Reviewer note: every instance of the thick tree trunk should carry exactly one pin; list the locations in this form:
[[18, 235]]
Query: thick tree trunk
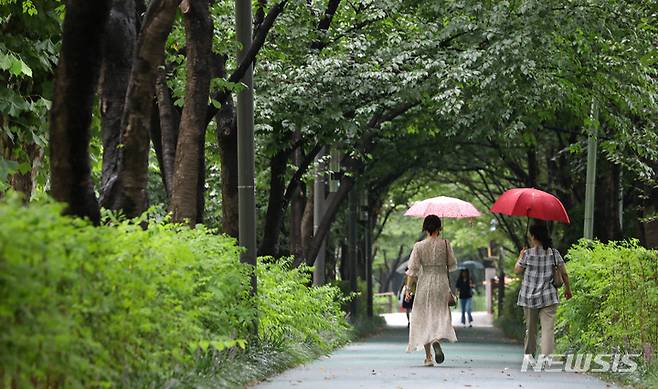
[[76, 79], [190, 150], [118, 52], [169, 123], [227, 138], [201, 181], [126, 189], [270, 243]]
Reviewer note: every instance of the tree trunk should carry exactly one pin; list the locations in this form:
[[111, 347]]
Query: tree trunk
[[22, 182], [169, 123], [533, 167], [118, 51], [201, 180], [307, 223], [274, 216], [126, 189], [76, 79], [227, 138], [343, 269], [313, 247], [607, 220], [156, 139], [190, 150]]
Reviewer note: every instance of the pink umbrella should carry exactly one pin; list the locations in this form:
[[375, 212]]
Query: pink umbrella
[[443, 206]]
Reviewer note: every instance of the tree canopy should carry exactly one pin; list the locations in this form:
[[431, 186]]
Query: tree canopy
[[483, 95]]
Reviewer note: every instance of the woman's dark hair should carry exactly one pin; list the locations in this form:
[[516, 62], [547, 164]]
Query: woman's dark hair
[[432, 224], [540, 232], [465, 271]]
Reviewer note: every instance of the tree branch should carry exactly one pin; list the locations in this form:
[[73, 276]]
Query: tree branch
[[258, 41], [324, 23], [256, 45]]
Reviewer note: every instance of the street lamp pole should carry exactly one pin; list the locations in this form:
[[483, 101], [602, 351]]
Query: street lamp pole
[[590, 180], [319, 197], [352, 237], [246, 161]]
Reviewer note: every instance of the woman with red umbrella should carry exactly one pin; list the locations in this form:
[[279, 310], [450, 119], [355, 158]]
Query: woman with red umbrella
[[542, 265], [538, 295]]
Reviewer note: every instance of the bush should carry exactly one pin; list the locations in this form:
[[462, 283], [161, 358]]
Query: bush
[[615, 299], [297, 323], [120, 305], [291, 310]]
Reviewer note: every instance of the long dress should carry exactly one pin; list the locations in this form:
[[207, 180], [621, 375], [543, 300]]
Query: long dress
[[430, 318]]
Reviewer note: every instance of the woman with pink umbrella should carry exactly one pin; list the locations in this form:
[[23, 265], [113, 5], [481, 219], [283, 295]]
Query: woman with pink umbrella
[[429, 264]]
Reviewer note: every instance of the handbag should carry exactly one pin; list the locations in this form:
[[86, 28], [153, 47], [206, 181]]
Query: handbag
[[557, 274], [452, 299]]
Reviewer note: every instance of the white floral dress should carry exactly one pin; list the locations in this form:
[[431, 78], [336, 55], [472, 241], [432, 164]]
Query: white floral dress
[[430, 318]]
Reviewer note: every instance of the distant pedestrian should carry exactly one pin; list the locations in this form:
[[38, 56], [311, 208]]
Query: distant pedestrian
[[465, 286], [538, 296], [431, 260], [407, 304]]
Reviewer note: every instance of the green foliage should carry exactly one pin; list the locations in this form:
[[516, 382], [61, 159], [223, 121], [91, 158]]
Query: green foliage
[[615, 298], [297, 323], [123, 305], [97, 306], [29, 39], [289, 309]]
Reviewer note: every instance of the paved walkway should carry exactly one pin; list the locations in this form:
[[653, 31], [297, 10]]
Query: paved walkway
[[482, 358]]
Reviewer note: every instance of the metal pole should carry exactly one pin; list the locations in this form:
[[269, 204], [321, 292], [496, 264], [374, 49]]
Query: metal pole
[[368, 257], [246, 163], [352, 203], [318, 213], [590, 182]]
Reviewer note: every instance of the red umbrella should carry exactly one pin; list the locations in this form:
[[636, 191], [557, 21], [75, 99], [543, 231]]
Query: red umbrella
[[532, 203]]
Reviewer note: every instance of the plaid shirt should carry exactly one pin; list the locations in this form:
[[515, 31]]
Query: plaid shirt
[[537, 291]]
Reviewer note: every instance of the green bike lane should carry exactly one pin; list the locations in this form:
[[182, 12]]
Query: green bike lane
[[482, 358]]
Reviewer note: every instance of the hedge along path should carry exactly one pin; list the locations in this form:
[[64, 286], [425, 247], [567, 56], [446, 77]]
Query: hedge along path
[[123, 306], [482, 358]]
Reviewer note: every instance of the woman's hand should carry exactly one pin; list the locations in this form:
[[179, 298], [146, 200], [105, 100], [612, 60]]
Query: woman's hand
[[567, 294], [408, 295], [517, 267]]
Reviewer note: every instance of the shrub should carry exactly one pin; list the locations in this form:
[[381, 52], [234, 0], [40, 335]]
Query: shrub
[[289, 309], [122, 305], [297, 323], [95, 306], [615, 299]]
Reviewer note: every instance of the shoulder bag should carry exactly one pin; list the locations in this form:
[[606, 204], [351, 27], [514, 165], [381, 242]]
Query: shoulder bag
[[452, 299], [557, 274]]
